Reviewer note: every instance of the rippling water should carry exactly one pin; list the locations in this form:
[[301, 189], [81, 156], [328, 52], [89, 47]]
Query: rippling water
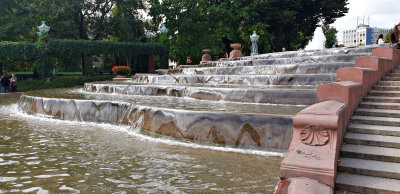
[[50, 156]]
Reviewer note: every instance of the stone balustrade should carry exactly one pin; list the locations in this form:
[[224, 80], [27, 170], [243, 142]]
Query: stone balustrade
[[310, 165]]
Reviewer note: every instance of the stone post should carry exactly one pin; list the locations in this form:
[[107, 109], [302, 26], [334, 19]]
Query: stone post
[[206, 57], [235, 52]]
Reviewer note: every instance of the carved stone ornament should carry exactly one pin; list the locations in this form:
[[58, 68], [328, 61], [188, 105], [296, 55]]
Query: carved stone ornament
[[314, 135]]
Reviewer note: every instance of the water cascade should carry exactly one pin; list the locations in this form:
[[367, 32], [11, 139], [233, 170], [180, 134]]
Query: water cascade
[[318, 40], [192, 129]]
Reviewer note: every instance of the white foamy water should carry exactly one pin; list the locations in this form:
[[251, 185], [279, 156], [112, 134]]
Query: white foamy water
[[136, 133], [318, 41]]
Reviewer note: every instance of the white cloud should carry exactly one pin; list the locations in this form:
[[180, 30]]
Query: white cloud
[[382, 14]]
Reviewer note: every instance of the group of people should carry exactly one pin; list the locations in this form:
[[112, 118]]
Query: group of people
[[7, 81]]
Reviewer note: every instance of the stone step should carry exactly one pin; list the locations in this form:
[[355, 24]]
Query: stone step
[[397, 70], [370, 153], [374, 129], [366, 184], [275, 79], [382, 99], [393, 74], [369, 167], [243, 94], [386, 88], [377, 112], [384, 93], [388, 78], [311, 53], [282, 60], [257, 69], [369, 120], [372, 140], [380, 105], [388, 83]]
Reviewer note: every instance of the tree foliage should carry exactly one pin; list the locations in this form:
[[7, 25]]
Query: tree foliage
[[215, 24], [116, 20], [330, 35]]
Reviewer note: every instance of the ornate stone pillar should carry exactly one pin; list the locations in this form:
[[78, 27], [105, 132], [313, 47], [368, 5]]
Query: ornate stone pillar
[[206, 57], [235, 52]]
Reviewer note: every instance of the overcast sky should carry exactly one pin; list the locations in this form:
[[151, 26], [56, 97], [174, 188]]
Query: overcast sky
[[382, 14]]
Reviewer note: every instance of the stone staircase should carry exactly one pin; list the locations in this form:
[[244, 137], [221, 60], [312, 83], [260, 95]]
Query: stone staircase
[[370, 156]]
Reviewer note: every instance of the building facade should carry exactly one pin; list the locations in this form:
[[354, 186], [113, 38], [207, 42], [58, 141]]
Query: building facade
[[362, 35]]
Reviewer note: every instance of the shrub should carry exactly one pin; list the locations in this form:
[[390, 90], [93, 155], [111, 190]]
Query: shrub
[[59, 82], [121, 70]]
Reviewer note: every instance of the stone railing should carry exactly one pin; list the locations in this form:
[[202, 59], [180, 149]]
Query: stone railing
[[311, 161]]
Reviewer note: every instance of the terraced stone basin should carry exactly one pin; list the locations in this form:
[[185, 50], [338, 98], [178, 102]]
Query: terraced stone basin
[[45, 155], [260, 126]]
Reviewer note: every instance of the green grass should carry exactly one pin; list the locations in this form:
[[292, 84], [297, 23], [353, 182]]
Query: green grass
[[59, 82]]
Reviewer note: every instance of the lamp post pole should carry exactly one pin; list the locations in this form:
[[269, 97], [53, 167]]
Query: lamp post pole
[[44, 62], [254, 40]]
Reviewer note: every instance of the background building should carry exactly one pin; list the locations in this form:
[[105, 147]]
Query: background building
[[362, 35]]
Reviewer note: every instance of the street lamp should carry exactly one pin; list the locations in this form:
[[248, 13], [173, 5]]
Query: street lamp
[[254, 40], [163, 29], [149, 35], [43, 28]]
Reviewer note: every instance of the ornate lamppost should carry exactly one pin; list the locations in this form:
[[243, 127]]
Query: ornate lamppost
[[43, 28], [163, 29], [254, 40], [149, 35]]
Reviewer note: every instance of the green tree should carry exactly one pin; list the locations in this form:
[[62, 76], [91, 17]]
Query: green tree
[[330, 35], [387, 37], [215, 24]]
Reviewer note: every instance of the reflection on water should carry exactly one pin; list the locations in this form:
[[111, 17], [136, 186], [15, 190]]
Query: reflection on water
[[51, 156]]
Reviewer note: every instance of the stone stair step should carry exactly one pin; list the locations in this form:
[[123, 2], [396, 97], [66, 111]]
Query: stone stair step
[[397, 70], [372, 140], [370, 153], [388, 78], [273, 79], [382, 99], [379, 105], [369, 168], [394, 74], [386, 88], [374, 129], [389, 83], [384, 93], [366, 184], [385, 121], [377, 112], [258, 69], [280, 60]]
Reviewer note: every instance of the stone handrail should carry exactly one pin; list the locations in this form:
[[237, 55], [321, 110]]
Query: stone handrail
[[311, 161]]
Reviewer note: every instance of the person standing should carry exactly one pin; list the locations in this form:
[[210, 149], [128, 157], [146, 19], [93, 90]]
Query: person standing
[[1, 85], [13, 81], [394, 37], [336, 45], [5, 83], [380, 39]]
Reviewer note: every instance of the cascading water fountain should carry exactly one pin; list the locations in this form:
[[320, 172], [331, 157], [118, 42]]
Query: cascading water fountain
[[318, 40], [190, 130]]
